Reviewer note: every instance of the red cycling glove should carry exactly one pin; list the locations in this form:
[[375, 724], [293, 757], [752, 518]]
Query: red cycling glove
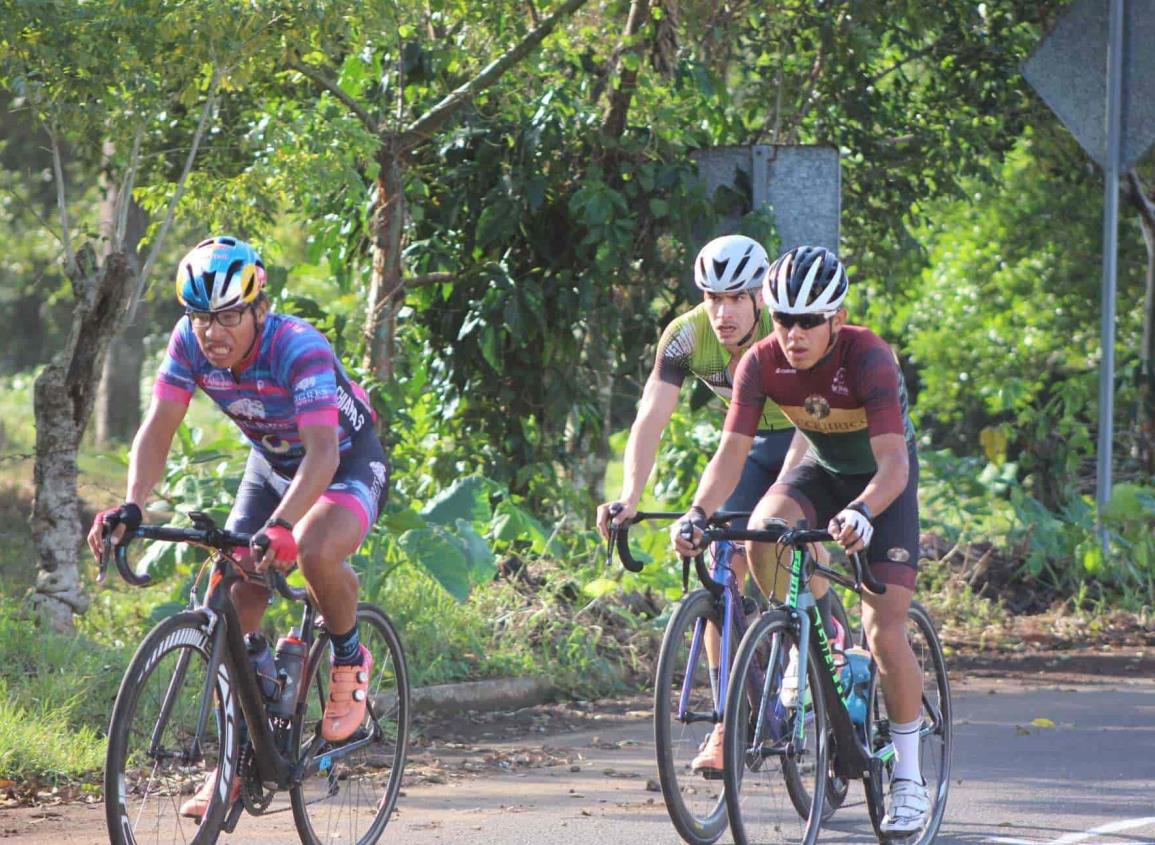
[[279, 540]]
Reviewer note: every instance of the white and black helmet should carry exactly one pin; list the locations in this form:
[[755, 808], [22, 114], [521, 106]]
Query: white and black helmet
[[730, 264], [806, 280]]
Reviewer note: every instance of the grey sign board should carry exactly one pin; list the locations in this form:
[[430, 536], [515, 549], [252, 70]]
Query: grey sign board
[[1069, 70], [802, 184]]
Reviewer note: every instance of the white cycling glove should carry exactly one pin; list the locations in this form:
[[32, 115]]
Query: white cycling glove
[[858, 521]]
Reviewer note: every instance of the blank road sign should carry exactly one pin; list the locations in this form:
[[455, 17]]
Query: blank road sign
[[1069, 71]]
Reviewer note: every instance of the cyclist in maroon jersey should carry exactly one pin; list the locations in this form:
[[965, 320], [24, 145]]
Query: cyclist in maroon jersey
[[841, 387]]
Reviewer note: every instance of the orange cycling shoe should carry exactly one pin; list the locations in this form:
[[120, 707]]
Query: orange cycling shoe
[[198, 805], [348, 697]]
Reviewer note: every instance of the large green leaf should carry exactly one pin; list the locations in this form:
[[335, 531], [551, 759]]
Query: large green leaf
[[466, 498], [482, 563], [441, 555]]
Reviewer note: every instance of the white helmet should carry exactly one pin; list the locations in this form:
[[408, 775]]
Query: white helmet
[[730, 264], [806, 280]]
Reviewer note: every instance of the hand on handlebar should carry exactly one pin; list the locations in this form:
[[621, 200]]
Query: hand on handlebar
[[686, 533], [851, 529], [274, 546], [615, 513], [113, 523]]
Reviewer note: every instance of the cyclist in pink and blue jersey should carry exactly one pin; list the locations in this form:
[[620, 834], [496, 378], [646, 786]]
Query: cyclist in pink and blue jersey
[[316, 475]]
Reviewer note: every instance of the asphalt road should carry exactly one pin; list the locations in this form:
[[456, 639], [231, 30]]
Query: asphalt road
[[1087, 780]]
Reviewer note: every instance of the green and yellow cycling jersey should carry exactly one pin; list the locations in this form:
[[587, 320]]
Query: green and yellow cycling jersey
[[689, 346]]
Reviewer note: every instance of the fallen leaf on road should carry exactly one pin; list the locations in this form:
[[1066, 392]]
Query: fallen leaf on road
[[1042, 723]]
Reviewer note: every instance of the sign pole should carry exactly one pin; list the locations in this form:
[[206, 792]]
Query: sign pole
[[1110, 256]]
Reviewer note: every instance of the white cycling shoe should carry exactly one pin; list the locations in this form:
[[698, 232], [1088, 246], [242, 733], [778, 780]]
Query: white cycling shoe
[[908, 807]]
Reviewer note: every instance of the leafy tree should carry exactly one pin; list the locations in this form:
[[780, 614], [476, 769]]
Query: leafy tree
[[170, 56]]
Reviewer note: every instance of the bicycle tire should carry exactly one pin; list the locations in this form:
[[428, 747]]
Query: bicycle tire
[[157, 819], [767, 814], [936, 747], [699, 822], [348, 776]]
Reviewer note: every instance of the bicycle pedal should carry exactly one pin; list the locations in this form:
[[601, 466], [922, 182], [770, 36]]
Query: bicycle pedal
[[233, 816], [710, 774]]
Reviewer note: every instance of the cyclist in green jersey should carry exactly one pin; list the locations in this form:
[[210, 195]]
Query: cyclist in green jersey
[[708, 342]]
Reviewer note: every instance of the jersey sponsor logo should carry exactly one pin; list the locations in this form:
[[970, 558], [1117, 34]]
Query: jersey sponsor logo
[[275, 444], [348, 407], [817, 406], [380, 474], [832, 420], [246, 407], [839, 383], [217, 379], [305, 383], [898, 554]]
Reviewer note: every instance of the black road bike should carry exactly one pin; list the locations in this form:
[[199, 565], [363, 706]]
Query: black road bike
[[181, 703], [779, 759]]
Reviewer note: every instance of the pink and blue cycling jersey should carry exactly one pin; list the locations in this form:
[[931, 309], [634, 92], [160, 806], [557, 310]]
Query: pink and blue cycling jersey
[[291, 379]]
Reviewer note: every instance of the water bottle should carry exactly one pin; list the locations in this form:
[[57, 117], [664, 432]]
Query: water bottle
[[856, 681], [290, 660], [261, 656]]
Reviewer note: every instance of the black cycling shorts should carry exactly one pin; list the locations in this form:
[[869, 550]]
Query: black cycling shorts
[[893, 551], [759, 472]]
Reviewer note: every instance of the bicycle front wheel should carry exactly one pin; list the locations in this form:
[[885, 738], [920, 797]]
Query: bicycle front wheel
[[769, 769], [685, 713], [937, 729], [160, 748], [352, 787]]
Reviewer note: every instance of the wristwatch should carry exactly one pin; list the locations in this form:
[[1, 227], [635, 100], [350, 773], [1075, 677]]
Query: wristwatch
[[284, 523]]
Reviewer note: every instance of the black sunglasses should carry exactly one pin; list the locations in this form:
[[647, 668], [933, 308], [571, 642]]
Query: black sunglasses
[[806, 321]]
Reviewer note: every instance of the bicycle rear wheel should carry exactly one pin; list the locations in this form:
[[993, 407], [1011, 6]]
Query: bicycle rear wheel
[[695, 803], [937, 731], [155, 758], [762, 752], [352, 787]]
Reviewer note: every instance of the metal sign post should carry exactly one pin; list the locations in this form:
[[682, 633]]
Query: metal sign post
[[1095, 72]]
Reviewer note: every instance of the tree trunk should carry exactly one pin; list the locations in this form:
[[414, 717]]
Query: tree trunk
[[385, 293], [117, 414], [118, 411], [1136, 193], [63, 397]]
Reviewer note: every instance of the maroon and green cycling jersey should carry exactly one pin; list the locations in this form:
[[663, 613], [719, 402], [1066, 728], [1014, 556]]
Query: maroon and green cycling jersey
[[689, 346], [853, 394]]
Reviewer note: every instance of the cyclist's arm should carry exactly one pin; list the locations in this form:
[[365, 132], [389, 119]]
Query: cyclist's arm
[[890, 479], [723, 471], [150, 448], [322, 456], [659, 399]]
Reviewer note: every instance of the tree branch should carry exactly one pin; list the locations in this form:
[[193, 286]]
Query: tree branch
[[427, 279], [124, 198], [614, 120], [1136, 194], [62, 202], [326, 84], [423, 128], [154, 250]]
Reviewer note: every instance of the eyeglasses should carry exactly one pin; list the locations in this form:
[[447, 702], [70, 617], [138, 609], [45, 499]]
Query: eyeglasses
[[806, 321], [228, 319]]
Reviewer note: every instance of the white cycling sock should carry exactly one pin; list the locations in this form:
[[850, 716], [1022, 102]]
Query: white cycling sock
[[905, 736]]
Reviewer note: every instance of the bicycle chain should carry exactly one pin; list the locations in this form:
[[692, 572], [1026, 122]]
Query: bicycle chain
[[253, 793]]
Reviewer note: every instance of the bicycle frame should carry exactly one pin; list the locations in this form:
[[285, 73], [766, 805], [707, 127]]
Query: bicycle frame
[[227, 646], [723, 589], [855, 757]]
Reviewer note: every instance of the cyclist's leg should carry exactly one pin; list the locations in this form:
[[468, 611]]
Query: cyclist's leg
[[327, 536], [758, 473], [258, 495]]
